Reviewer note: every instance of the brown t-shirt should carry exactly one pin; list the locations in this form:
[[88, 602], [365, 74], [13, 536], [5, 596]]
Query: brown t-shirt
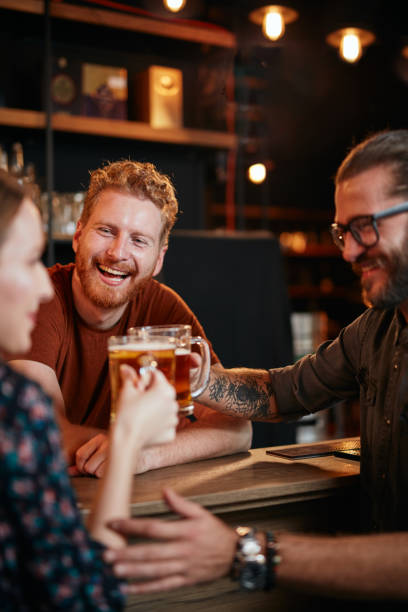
[[78, 354]]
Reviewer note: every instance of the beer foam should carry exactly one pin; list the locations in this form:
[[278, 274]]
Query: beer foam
[[142, 346], [182, 351]]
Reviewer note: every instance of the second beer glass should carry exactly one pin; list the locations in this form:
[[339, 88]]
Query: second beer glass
[[180, 336]]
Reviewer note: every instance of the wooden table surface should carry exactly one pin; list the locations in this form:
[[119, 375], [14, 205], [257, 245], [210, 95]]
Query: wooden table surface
[[318, 494], [253, 488], [241, 481]]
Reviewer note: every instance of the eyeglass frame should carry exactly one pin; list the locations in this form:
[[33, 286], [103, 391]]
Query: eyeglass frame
[[372, 219]]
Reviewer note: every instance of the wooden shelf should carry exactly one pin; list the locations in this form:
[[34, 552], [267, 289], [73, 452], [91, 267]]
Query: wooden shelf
[[277, 213], [315, 293], [62, 238], [115, 128], [314, 250], [126, 21]]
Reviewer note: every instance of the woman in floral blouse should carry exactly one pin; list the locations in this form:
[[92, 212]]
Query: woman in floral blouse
[[48, 560]]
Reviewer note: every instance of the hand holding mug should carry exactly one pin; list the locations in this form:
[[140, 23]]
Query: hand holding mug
[[146, 406], [143, 355]]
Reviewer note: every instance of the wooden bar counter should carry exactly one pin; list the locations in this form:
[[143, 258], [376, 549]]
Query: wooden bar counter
[[317, 494]]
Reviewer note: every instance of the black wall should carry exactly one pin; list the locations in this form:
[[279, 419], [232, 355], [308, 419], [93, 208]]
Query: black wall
[[235, 285]]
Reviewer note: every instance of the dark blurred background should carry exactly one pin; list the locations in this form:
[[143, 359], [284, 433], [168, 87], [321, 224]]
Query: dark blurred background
[[244, 256]]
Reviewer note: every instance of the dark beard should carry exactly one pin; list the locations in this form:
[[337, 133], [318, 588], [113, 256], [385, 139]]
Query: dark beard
[[395, 290]]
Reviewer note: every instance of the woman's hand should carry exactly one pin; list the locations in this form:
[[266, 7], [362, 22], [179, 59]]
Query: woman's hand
[[147, 407]]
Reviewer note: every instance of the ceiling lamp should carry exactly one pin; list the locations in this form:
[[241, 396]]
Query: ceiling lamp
[[174, 5], [350, 42], [257, 173], [273, 19]]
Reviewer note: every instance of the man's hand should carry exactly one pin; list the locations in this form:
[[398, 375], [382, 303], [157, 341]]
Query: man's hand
[[197, 548], [90, 458]]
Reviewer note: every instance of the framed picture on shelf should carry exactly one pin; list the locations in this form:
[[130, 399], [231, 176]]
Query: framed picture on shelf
[[104, 91]]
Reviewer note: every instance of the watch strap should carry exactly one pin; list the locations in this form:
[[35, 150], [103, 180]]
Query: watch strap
[[272, 560], [254, 569], [249, 565]]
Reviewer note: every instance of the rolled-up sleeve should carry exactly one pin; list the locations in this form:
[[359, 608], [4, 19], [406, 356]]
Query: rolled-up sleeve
[[320, 380]]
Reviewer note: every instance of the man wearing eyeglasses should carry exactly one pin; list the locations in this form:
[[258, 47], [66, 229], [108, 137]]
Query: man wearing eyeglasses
[[380, 261], [369, 361]]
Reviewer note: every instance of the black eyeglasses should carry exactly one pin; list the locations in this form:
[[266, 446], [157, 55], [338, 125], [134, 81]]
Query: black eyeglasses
[[364, 228]]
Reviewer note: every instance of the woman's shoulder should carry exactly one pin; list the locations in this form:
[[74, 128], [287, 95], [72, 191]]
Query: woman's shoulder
[[11, 379], [21, 394], [30, 442]]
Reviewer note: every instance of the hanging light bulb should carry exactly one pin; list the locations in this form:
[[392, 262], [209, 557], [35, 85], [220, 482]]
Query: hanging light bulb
[[257, 173], [350, 48], [273, 19], [273, 25], [174, 5], [350, 42]]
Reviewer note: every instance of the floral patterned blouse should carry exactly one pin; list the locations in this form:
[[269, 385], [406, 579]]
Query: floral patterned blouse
[[47, 559]]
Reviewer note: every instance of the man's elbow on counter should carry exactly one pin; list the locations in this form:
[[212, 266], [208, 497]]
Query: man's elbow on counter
[[248, 435], [244, 431], [233, 434]]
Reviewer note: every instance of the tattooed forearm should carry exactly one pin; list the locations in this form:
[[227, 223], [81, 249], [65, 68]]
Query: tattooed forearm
[[247, 396]]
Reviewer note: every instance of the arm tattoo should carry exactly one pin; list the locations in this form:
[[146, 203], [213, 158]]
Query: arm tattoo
[[246, 397]]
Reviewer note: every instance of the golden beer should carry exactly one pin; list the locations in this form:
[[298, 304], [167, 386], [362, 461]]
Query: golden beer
[[140, 356], [183, 380]]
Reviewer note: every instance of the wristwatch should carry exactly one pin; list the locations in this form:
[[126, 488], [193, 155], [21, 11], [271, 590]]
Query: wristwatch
[[249, 566]]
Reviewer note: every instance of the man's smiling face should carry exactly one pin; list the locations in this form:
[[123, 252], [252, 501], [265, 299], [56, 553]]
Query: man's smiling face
[[118, 250], [383, 268]]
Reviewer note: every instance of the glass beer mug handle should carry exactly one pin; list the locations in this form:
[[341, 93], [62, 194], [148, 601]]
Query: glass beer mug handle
[[201, 381]]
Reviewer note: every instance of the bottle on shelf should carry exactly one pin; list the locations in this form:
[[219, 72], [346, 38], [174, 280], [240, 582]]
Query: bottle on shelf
[[29, 179], [3, 159], [16, 162]]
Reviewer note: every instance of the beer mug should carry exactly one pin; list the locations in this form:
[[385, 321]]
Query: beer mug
[[180, 336], [143, 355]]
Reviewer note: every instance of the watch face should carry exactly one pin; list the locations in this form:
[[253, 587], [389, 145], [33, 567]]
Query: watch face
[[253, 576], [63, 90]]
